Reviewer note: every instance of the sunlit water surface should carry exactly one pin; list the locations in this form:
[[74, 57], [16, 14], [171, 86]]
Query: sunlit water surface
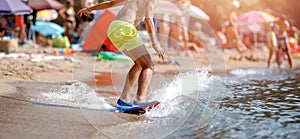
[[258, 103], [250, 103]]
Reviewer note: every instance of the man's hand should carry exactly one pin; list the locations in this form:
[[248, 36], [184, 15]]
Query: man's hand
[[84, 11], [159, 50]]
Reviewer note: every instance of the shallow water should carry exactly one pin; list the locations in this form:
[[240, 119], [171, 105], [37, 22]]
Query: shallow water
[[250, 103], [188, 96], [258, 103]]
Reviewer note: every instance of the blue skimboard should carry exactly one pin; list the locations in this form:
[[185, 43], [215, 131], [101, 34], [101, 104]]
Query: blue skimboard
[[138, 109]]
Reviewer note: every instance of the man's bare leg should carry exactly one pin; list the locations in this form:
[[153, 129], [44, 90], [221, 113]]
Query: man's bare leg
[[289, 59], [270, 57], [131, 79], [141, 73], [145, 77], [278, 58]]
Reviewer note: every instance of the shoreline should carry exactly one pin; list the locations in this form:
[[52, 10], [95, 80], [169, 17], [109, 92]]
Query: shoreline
[[24, 80], [90, 67], [68, 67]]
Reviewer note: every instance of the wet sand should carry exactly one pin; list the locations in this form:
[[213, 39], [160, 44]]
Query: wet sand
[[22, 117]]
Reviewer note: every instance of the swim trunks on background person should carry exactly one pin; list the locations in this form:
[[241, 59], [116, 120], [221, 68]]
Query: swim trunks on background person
[[283, 43], [124, 35]]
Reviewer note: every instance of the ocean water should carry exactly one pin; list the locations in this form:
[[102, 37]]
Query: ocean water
[[258, 103], [248, 103]]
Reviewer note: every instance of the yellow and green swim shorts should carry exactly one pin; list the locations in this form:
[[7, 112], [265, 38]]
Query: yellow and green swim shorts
[[124, 35]]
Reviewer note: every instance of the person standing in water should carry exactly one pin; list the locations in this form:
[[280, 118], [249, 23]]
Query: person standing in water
[[272, 43], [123, 34], [283, 48]]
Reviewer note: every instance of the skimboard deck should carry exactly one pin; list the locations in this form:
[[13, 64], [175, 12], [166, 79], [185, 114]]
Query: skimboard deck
[[137, 109]]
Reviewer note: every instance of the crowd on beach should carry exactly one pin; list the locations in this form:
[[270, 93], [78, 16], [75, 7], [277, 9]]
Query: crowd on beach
[[277, 35], [175, 32], [19, 26]]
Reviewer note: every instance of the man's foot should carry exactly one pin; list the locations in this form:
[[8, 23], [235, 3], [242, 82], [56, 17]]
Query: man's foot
[[135, 102], [122, 103]]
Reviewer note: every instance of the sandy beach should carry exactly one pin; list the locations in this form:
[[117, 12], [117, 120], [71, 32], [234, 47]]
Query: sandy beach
[[52, 88], [23, 116]]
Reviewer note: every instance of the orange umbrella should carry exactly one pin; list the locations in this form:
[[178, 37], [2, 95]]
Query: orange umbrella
[[95, 34]]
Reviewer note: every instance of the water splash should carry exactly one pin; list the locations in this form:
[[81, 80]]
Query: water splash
[[190, 99], [76, 93]]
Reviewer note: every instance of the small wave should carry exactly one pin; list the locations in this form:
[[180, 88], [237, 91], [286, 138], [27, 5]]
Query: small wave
[[190, 99], [78, 94], [245, 75]]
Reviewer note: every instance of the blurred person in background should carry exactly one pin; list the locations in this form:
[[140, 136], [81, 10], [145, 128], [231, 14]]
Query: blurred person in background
[[6, 24], [200, 38], [220, 34], [20, 28], [43, 41], [283, 48], [293, 32], [3, 22], [247, 40], [179, 27], [68, 14], [88, 3], [232, 17], [232, 33], [85, 19], [164, 29], [2, 33], [233, 40], [294, 37], [272, 43]]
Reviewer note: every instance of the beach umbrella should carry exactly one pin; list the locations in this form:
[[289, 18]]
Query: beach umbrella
[[47, 28], [254, 17], [47, 15], [253, 21], [45, 4], [167, 7], [14, 7], [95, 34], [195, 11]]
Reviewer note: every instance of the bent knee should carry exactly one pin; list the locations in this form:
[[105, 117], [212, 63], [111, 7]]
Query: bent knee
[[145, 62], [149, 65]]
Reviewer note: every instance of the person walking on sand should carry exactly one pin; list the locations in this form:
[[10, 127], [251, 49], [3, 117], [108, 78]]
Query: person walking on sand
[[123, 34]]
